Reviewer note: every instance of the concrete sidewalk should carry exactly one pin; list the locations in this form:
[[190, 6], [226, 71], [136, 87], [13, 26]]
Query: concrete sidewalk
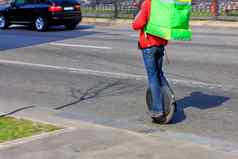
[[209, 23], [90, 141]]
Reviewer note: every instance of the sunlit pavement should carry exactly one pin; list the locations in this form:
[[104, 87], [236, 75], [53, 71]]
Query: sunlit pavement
[[96, 74]]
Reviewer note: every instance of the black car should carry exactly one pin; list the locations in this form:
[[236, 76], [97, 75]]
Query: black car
[[41, 14]]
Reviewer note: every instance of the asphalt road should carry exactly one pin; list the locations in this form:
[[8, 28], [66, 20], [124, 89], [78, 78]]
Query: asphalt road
[[96, 74]]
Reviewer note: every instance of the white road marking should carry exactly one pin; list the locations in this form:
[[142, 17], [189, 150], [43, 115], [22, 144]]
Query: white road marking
[[117, 75], [76, 70], [82, 46]]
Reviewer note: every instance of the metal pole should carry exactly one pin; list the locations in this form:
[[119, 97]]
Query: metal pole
[[116, 9]]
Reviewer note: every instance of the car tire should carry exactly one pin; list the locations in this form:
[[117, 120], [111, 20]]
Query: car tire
[[4, 24], [40, 24], [72, 24]]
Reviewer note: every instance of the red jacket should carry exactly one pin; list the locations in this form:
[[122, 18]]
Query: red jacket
[[146, 40]]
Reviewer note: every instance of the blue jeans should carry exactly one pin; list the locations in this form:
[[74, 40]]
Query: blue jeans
[[153, 60]]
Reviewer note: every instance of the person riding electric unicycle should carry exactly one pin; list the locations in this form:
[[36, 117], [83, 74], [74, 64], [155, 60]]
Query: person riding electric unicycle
[[160, 21]]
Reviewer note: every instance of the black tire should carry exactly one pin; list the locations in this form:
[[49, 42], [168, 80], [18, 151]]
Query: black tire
[[4, 24], [40, 24], [71, 25], [169, 106]]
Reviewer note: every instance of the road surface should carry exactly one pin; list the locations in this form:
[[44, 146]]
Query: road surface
[[96, 74]]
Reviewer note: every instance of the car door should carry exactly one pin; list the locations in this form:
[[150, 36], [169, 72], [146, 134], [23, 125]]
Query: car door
[[22, 11], [15, 12], [28, 10], [42, 7]]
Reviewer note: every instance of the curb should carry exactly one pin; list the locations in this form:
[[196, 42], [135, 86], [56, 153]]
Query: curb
[[77, 125], [106, 21], [209, 23], [212, 23]]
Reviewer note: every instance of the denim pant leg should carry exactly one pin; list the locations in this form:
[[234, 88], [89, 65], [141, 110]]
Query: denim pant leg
[[151, 58], [159, 60]]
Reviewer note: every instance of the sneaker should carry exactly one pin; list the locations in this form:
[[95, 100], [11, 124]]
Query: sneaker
[[158, 118], [156, 115]]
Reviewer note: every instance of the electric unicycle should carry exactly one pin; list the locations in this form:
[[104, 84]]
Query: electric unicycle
[[169, 102]]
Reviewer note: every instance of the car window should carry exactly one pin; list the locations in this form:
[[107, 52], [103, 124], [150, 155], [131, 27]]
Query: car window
[[63, 1], [31, 1], [43, 1], [20, 2]]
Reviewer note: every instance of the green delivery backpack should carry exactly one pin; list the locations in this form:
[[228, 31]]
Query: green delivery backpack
[[169, 19]]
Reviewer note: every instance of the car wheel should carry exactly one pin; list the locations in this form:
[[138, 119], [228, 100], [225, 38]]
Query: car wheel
[[3, 22], [40, 24], [71, 25]]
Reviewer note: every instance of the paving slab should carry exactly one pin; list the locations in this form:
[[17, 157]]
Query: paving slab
[[93, 141]]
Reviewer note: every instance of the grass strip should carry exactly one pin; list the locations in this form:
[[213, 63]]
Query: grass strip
[[12, 128]]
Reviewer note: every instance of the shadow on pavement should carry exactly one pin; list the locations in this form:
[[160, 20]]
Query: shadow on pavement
[[198, 100], [22, 36]]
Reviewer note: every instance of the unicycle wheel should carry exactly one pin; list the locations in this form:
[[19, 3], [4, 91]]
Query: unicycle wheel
[[169, 105]]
